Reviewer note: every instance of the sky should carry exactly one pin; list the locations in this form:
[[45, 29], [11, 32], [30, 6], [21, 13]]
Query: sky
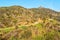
[[52, 4]]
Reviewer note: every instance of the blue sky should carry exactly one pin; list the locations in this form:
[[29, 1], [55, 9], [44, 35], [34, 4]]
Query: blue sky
[[52, 4]]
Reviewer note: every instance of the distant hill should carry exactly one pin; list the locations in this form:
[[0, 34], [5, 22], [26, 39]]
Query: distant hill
[[19, 23], [17, 15]]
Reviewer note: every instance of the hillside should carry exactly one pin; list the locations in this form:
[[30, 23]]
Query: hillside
[[17, 15], [19, 23]]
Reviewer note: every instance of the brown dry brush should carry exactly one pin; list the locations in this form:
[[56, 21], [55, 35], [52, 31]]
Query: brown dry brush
[[12, 33]]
